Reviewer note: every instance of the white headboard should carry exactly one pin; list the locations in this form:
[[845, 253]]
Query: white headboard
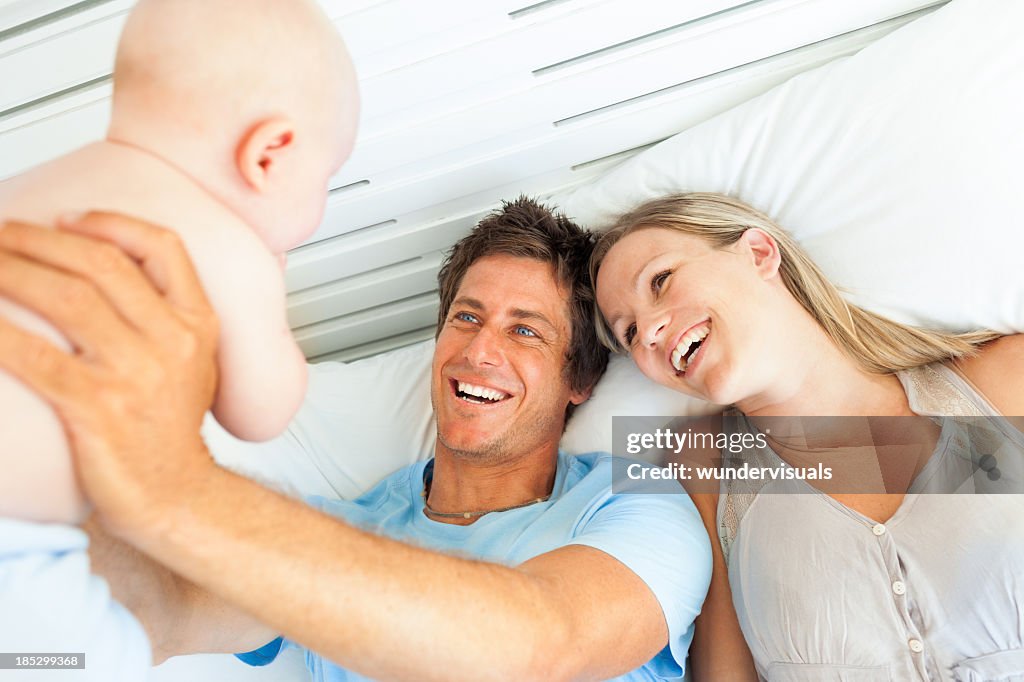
[[465, 102]]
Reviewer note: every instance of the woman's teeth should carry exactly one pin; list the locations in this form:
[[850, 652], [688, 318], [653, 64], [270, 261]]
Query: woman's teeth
[[688, 345]]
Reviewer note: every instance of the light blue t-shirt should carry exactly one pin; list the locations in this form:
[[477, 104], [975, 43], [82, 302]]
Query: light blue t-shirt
[[656, 532], [51, 603]]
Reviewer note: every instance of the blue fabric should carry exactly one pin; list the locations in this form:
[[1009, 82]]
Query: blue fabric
[[656, 532], [264, 655], [51, 602]]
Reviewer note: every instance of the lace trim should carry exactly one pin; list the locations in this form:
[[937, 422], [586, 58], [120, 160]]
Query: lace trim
[[932, 394]]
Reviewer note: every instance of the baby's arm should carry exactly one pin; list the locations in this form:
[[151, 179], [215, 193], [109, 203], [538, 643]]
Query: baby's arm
[[262, 370]]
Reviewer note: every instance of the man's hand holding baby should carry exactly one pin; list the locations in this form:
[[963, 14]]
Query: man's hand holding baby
[[142, 371]]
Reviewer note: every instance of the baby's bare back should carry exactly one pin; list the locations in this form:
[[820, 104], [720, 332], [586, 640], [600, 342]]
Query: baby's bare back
[[262, 372]]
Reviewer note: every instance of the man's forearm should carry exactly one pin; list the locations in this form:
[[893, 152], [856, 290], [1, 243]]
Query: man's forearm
[[151, 592], [178, 616], [377, 606]]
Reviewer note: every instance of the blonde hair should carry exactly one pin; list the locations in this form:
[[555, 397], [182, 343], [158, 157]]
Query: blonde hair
[[876, 343]]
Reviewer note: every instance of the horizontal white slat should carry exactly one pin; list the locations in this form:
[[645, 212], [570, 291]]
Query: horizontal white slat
[[63, 25], [380, 346], [367, 326], [353, 254], [469, 170], [394, 34], [90, 34], [397, 33], [17, 13], [550, 98], [62, 106], [416, 234], [503, 64], [508, 93], [428, 228], [366, 290], [521, 116], [45, 138], [42, 69]]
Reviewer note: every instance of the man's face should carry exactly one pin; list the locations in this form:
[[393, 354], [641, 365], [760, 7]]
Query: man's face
[[498, 386]]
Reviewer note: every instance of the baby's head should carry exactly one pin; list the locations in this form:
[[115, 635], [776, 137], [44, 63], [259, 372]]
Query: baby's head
[[255, 100]]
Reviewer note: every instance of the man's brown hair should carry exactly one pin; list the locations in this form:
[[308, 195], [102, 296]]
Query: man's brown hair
[[528, 229]]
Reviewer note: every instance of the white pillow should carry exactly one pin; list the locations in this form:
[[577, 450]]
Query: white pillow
[[898, 168]]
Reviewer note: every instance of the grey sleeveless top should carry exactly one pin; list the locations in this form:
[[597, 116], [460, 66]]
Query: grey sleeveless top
[[936, 593]]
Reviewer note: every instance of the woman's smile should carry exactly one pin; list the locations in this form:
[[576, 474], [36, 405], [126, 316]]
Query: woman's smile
[[683, 355]]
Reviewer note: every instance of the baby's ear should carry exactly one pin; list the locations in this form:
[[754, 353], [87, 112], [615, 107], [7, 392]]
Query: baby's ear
[[261, 150]]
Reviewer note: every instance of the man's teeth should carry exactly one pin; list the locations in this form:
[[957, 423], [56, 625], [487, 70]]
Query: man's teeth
[[481, 391], [679, 355]]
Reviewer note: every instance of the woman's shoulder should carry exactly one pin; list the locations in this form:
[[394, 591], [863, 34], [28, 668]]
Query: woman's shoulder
[[997, 371]]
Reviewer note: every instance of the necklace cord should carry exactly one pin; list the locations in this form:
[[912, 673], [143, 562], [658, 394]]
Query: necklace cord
[[428, 478]]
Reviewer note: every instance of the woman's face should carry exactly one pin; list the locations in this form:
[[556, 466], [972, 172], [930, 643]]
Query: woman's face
[[694, 318]]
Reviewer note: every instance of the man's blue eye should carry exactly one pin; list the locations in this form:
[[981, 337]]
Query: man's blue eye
[[525, 331], [465, 317]]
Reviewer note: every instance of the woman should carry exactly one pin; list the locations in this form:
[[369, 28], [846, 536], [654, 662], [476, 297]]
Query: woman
[[712, 299]]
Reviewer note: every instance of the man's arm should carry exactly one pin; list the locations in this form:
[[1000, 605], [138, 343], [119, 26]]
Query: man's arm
[[179, 617], [358, 599], [537, 621], [132, 399]]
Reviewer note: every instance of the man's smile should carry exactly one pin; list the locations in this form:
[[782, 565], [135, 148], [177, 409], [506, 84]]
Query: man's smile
[[477, 393]]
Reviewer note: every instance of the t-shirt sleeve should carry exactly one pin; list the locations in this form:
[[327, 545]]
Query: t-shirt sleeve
[[265, 655], [660, 537]]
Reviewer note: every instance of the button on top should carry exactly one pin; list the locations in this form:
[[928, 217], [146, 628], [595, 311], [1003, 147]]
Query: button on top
[[899, 588], [916, 646], [878, 529]]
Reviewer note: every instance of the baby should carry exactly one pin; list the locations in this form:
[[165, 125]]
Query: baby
[[228, 120]]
